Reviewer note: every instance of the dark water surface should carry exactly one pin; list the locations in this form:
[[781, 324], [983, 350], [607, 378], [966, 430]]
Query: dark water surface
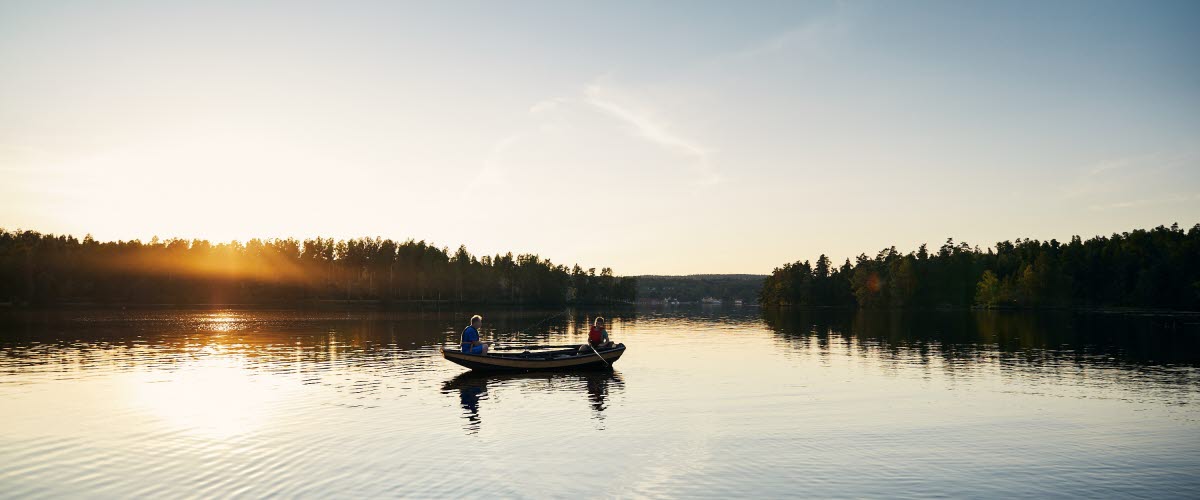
[[705, 403]]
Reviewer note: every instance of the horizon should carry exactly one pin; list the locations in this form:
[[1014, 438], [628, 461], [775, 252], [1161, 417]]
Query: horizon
[[434, 244], [666, 139]]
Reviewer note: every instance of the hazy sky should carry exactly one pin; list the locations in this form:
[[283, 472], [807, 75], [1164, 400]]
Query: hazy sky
[[651, 137]]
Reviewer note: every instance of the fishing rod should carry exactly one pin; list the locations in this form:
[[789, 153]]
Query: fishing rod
[[548, 318], [517, 333]]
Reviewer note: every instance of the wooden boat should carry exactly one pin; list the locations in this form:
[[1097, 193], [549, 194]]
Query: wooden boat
[[536, 360]]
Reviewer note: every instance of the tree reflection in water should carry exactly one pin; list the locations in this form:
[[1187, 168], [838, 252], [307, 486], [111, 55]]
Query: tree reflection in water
[[473, 387], [1033, 338]]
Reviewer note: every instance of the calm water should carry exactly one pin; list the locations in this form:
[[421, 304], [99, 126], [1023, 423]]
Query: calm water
[[706, 402]]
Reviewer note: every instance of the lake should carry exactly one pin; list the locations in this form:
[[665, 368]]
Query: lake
[[706, 402]]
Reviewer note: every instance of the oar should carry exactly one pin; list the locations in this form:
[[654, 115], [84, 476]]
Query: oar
[[597, 353]]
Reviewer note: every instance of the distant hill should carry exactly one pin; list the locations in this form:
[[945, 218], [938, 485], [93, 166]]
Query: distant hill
[[696, 287], [732, 277]]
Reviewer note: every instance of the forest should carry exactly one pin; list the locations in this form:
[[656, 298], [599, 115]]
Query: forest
[[695, 287], [45, 269], [1156, 268]]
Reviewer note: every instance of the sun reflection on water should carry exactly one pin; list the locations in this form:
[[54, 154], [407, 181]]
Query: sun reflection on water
[[211, 397], [221, 321]]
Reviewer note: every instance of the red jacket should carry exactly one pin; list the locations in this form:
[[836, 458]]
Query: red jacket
[[596, 336]]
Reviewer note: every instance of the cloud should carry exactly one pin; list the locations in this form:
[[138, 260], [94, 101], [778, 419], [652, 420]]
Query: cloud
[[603, 101], [492, 173], [1164, 200], [1159, 159], [816, 36], [547, 105], [1144, 172], [651, 127]]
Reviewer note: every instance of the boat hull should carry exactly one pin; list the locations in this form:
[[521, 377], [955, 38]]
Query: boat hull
[[534, 362]]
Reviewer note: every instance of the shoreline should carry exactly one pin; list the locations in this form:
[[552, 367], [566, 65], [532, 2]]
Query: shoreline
[[304, 305], [409, 305], [1117, 310]]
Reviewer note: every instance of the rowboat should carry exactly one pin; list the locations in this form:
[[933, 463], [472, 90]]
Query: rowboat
[[533, 358]]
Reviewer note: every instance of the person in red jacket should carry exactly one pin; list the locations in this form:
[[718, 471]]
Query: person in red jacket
[[598, 336]]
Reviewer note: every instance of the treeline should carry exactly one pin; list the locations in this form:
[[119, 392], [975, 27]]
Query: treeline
[[43, 269], [696, 287], [1157, 268]]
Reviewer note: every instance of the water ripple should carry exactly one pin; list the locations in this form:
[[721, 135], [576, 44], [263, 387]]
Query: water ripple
[[706, 403]]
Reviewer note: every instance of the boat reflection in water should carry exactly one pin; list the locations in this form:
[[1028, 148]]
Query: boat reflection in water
[[473, 387]]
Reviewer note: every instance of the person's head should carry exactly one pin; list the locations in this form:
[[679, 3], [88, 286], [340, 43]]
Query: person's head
[[599, 322], [476, 321]]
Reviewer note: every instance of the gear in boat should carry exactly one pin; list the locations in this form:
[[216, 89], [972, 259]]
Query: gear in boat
[[534, 358]]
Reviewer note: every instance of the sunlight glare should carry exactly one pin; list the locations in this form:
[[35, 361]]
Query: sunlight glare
[[209, 398]]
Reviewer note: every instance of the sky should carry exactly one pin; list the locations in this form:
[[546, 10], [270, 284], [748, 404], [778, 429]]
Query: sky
[[650, 137]]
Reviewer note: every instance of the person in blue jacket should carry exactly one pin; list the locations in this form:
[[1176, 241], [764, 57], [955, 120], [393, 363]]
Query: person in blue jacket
[[470, 337]]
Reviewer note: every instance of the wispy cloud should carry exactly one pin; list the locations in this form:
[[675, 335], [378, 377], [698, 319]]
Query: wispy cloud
[[652, 123], [1164, 200], [1123, 174], [813, 37], [492, 172], [651, 127], [547, 105], [1155, 160], [607, 102], [816, 36]]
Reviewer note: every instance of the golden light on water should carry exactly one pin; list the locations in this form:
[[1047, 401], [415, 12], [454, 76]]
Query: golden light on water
[[214, 398], [213, 394], [220, 321]]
